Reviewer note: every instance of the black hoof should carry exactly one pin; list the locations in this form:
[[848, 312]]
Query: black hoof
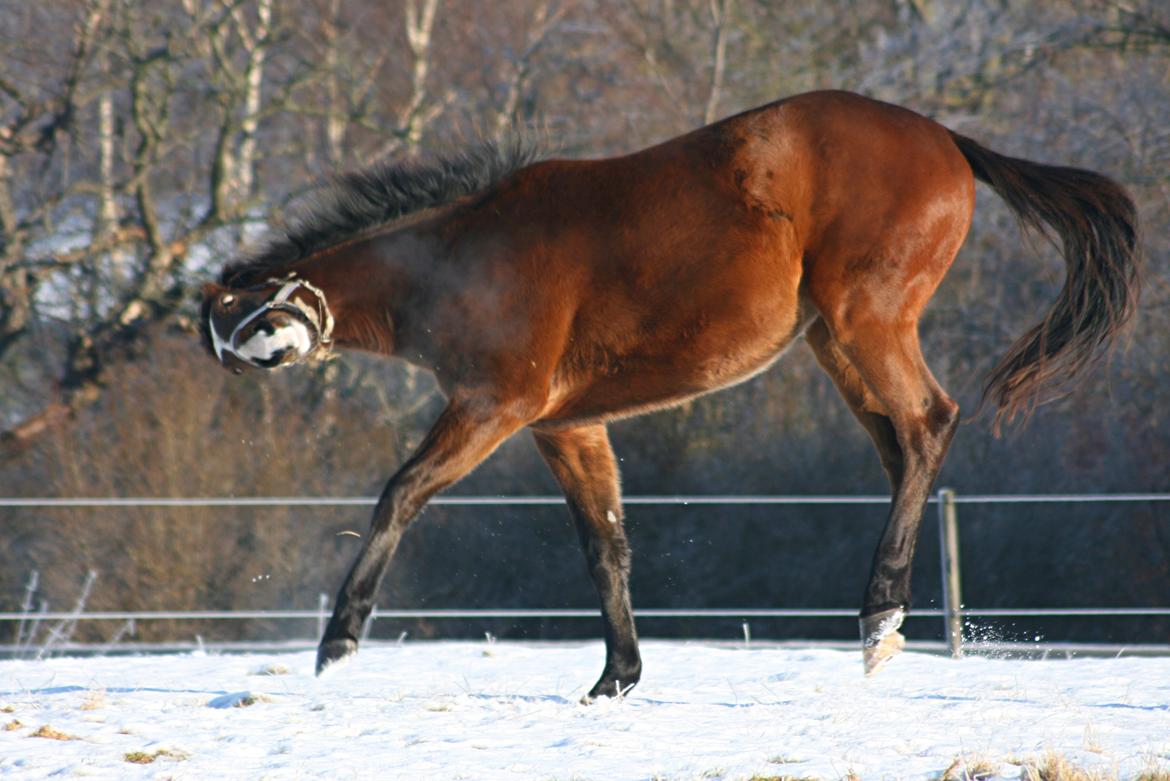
[[612, 685], [332, 652]]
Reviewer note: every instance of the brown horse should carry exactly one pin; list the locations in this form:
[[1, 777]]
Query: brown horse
[[560, 294]]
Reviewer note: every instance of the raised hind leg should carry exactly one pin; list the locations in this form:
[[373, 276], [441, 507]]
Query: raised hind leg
[[582, 462], [879, 370], [865, 406], [465, 434]]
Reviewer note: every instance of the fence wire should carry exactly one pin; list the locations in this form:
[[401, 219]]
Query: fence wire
[[528, 501], [555, 613]]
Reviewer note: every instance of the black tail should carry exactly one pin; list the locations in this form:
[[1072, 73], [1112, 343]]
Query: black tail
[[1096, 223]]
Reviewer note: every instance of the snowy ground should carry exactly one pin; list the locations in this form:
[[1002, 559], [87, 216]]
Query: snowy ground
[[510, 711]]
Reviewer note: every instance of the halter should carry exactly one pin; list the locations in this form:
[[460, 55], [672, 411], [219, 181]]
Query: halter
[[320, 319]]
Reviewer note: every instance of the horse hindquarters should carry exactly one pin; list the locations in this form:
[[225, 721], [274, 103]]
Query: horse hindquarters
[[869, 279]]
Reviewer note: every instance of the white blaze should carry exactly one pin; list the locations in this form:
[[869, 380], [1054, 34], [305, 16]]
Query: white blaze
[[263, 347]]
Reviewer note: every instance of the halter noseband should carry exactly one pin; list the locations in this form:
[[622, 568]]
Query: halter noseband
[[320, 319]]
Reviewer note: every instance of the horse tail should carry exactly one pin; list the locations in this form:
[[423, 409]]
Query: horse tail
[[1096, 223]]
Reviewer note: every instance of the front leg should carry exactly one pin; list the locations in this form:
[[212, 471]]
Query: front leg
[[582, 461], [464, 435]]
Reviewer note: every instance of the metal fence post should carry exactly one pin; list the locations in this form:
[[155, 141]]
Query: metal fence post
[[322, 613], [948, 529]]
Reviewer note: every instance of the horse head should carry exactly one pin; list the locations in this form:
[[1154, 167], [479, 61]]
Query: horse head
[[270, 325]]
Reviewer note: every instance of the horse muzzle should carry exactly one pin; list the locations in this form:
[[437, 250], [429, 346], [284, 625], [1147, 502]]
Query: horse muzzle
[[245, 329], [269, 339]]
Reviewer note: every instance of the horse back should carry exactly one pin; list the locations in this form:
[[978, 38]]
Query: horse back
[[683, 268]]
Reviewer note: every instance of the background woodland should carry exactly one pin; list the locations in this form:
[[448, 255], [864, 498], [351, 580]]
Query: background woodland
[[144, 144]]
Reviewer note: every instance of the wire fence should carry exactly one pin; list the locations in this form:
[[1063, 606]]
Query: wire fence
[[953, 611], [522, 501]]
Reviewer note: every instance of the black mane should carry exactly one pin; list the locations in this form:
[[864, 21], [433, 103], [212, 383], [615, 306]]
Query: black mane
[[363, 200]]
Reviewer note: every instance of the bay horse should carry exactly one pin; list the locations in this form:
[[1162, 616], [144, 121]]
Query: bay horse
[[558, 295]]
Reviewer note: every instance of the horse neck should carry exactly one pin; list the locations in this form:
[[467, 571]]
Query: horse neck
[[365, 282]]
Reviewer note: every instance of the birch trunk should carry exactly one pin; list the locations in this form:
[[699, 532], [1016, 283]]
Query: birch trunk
[[719, 12], [256, 42], [420, 23], [335, 122]]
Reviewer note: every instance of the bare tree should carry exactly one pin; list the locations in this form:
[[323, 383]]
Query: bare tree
[[720, 23], [543, 20]]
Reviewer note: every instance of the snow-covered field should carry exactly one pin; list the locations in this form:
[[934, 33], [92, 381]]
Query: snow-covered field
[[510, 711]]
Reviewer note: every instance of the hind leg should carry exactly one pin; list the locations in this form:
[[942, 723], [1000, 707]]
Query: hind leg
[[864, 405], [879, 370], [582, 462]]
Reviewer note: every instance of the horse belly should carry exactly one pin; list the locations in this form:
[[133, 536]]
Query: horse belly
[[711, 300], [683, 361]]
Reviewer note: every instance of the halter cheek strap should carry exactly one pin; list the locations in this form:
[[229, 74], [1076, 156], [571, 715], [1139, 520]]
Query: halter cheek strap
[[322, 318]]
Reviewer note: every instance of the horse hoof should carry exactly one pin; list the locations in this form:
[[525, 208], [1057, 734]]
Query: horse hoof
[[609, 687], [331, 653], [875, 657], [880, 639]]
